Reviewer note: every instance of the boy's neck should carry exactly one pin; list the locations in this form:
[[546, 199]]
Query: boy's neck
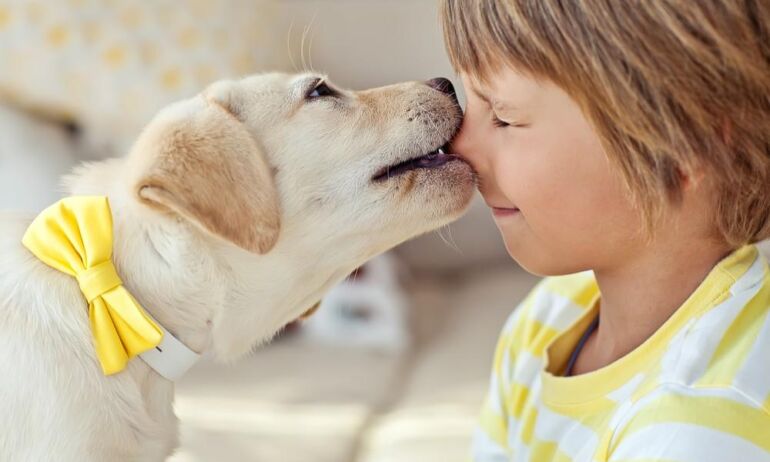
[[640, 295]]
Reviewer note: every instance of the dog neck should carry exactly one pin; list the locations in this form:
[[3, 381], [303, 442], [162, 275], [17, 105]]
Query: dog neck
[[211, 295], [163, 264], [267, 292], [218, 298]]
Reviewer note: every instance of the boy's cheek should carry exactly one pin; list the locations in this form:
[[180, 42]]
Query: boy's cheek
[[531, 184]]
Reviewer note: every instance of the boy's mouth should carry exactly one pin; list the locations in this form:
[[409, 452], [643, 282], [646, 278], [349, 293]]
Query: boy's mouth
[[504, 212]]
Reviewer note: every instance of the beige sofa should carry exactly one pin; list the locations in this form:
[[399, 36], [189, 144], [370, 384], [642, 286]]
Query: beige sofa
[[297, 401]]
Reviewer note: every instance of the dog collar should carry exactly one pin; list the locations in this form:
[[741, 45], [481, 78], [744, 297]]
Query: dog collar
[[170, 358]]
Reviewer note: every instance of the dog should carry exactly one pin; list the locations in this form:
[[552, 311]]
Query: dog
[[234, 212]]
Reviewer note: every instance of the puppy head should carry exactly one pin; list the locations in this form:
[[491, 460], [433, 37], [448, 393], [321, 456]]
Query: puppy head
[[352, 165], [292, 165]]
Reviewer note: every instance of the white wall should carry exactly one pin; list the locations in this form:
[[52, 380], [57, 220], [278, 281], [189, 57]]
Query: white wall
[[370, 42]]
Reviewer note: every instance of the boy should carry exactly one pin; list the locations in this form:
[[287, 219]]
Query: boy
[[628, 142]]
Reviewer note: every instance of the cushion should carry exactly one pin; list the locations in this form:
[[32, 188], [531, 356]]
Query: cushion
[[111, 65]]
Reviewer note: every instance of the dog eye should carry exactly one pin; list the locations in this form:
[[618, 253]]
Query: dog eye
[[320, 91]]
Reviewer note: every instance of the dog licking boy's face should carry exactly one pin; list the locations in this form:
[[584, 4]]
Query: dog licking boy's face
[[291, 167]]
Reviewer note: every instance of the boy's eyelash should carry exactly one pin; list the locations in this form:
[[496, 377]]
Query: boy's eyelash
[[502, 124], [499, 123]]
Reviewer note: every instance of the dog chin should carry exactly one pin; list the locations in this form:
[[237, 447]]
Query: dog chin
[[232, 340], [448, 191]]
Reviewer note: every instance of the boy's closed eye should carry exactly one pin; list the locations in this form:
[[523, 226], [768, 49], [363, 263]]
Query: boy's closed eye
[[500, 123], [496, 107]]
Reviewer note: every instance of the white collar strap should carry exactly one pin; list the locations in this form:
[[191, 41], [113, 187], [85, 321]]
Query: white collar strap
[[171, 358]]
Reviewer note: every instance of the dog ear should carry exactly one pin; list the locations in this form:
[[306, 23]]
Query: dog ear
[[203, 164]]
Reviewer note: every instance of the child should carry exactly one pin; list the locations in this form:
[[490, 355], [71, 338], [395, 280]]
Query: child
[[631, 139]]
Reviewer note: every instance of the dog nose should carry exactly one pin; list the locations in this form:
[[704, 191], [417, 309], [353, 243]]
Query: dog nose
[[443, 85]]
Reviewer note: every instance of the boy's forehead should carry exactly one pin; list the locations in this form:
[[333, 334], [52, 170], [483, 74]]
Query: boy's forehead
[[480, 89], [504, 89]]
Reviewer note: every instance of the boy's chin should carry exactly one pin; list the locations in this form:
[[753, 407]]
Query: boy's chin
[[540, 261]]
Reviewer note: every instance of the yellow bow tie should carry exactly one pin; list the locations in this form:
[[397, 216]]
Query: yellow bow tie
[[74, 236]]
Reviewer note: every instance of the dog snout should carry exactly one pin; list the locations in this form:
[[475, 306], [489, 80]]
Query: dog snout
[[444, 86]]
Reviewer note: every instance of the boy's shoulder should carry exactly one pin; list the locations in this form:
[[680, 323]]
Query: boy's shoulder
[[727, 347]]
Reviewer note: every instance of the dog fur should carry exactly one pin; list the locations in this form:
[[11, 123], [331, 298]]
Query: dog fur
[[233, 213]]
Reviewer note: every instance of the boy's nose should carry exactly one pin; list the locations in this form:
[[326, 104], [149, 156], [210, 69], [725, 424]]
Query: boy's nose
[[468, 147], [443, 85]]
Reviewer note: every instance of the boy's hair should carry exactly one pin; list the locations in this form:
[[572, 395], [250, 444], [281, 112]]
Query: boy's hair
[[672, 87]]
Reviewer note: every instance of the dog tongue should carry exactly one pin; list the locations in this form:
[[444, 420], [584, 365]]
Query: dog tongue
[[434, 159]]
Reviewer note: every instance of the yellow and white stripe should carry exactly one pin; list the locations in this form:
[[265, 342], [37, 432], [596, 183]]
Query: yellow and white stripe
[[698, 390]]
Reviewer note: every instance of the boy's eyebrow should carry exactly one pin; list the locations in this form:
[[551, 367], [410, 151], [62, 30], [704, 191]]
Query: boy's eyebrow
[[500, 105], [481, 95]]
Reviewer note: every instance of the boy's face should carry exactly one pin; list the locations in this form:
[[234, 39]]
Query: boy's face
[[558, 203]]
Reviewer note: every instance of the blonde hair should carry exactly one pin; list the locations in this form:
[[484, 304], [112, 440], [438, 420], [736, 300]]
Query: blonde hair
[[671, 87]]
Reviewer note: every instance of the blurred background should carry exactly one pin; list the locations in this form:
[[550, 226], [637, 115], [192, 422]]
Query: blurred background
[[395, 364]]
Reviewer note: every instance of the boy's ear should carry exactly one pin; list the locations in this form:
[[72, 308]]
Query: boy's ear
[[696, 174], [207, 168], [691, 178]]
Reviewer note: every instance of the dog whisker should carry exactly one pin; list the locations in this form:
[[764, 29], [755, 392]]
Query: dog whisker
[[305, 33], [288, 46], [310, 44], [450, 242]]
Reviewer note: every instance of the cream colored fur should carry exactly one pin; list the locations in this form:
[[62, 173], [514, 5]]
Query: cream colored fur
[[234, 212]]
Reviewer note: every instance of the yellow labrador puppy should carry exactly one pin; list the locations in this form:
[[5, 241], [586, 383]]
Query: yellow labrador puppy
[[233, 214]]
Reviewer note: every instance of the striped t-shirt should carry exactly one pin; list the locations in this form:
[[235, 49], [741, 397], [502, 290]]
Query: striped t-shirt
[[698, 390]]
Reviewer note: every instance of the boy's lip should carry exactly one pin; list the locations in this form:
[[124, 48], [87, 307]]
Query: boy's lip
[[498, 209], [504, 211]]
